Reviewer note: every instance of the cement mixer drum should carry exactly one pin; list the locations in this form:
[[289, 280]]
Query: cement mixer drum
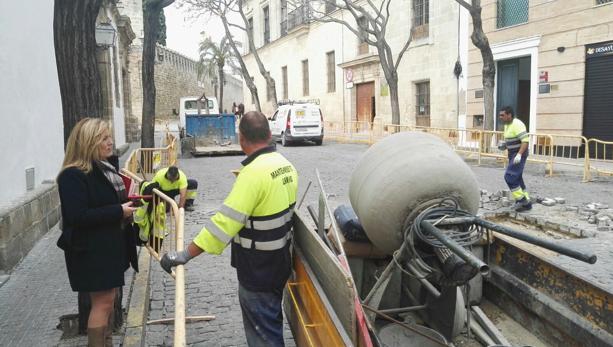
[[400, 176]]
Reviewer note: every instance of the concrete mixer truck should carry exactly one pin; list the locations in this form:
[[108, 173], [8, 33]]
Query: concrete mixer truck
[[429, 271]]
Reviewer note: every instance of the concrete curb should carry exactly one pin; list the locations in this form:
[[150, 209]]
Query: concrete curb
[[138, 308]]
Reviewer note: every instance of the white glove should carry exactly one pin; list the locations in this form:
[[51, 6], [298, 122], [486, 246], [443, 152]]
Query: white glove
[[517, 159]]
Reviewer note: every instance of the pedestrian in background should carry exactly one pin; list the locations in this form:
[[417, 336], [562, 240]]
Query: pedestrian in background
[[96, 214], [256, 218], [241, 110], [516, 141]]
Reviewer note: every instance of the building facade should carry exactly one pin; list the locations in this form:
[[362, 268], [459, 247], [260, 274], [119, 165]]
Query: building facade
[[554, 62], [326, 61]]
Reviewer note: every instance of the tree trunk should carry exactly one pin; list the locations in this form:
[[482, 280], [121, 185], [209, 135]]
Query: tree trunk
[[393, 85], [151, 22], [74, 30], [270, 82], [244, 72], [221, 81], [479, 39]]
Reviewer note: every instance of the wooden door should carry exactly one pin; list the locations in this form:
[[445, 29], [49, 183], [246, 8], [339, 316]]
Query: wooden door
[[365, 95]]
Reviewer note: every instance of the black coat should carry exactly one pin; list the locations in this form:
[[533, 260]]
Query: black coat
[[98, 250]]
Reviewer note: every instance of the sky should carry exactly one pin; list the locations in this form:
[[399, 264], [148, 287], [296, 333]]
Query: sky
[[183, 33]]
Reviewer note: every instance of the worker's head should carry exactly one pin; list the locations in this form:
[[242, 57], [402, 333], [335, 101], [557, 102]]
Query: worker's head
[[506, 114], [172, 174], [254, 132], [89, 140]]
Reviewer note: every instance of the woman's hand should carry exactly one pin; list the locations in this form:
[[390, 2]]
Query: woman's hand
[[127, 209]]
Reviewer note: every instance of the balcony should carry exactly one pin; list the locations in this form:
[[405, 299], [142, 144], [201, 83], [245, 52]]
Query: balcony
[[299, 16]]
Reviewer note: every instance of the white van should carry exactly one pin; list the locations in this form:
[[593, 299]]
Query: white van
[[191, 105], [297, 122]]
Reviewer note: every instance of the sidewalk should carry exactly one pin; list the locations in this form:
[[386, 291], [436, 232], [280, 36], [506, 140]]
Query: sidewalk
[[37, 294]]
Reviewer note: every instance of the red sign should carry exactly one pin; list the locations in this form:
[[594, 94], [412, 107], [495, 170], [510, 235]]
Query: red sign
[[544, 77]]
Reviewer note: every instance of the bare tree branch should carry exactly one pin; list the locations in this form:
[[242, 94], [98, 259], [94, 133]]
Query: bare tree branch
[[464, 4]]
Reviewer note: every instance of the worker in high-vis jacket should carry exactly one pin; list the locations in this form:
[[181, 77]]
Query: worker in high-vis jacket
[[256, 219], [516, 141], [173, 182]]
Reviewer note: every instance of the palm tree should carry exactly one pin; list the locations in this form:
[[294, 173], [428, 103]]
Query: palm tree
[[213, 58]]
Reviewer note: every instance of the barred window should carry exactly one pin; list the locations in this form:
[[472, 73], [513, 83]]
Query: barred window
[[422, 103], [511, 12], [600, 2], [285, 85], [331, 63], [266, 25], [250, 31], [421, 18], [305, 77], [362, 45]]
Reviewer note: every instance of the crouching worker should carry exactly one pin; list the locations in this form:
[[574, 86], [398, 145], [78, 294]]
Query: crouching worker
[[256, 218], [173, 182]]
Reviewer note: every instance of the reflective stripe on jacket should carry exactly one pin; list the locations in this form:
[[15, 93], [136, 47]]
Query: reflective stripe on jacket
[[514, 134], [256, 218]]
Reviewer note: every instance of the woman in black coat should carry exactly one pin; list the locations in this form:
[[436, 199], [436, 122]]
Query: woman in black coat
[[95, 218]]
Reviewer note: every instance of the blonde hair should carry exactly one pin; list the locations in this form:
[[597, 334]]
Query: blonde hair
[[84, 142]]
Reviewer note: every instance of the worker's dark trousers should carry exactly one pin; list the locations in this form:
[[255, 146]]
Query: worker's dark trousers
[[192, 186], [514, 177], [262, 317]]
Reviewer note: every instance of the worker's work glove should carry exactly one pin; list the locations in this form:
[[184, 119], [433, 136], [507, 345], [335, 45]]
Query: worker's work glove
[[502, 145], [174, 258], [517, 159]]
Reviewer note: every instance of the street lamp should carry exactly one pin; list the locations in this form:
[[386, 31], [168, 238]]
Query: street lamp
[[105, 35]]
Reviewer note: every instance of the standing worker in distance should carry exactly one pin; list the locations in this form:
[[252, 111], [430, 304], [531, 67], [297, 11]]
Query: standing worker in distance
[[256, 217], [173, 182], [516, 141]]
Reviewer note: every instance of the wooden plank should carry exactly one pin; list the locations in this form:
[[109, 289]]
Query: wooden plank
[[334, 281]]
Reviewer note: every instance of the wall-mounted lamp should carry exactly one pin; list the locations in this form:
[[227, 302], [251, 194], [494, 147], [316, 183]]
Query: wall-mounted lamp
[[105, 35], [561, 49]]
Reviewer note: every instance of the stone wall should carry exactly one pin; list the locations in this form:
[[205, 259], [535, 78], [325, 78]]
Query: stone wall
[[25, 221]]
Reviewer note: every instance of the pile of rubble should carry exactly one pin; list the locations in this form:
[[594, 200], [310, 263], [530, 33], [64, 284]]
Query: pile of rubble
[[591, 217]]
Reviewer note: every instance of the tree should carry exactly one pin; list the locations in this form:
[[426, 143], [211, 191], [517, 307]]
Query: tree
[[151, 24], [370, 25], [161, 37], [214, 57], [74, 38], [479, 39], [222, 9]]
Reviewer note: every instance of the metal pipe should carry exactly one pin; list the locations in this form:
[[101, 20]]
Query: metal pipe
[[585, 257], [460, 251], [404, 309]]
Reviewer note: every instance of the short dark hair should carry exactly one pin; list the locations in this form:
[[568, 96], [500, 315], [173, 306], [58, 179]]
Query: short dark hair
[[172, 173], [254, 127], [508, 110]]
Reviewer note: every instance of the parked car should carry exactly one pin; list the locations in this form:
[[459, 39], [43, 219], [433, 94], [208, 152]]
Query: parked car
[[296, 122]]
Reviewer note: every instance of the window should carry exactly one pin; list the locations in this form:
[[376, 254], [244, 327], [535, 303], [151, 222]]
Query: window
[[421, 18], [330, 62], [249, 31], [362, 45], [511, 12], [284, 76], [422, 104], [305, 77], [283, 17], [600, 2], [266, 25]]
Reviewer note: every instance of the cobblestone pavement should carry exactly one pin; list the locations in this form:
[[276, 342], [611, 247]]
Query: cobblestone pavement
[[37, 294], [211, 281]]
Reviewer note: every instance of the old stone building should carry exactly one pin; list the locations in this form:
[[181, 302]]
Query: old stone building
[[325, 61], [554, 63]]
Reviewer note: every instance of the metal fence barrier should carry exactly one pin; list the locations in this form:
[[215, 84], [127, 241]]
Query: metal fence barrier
[[165, 234], [146, 161], [553, 150]]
